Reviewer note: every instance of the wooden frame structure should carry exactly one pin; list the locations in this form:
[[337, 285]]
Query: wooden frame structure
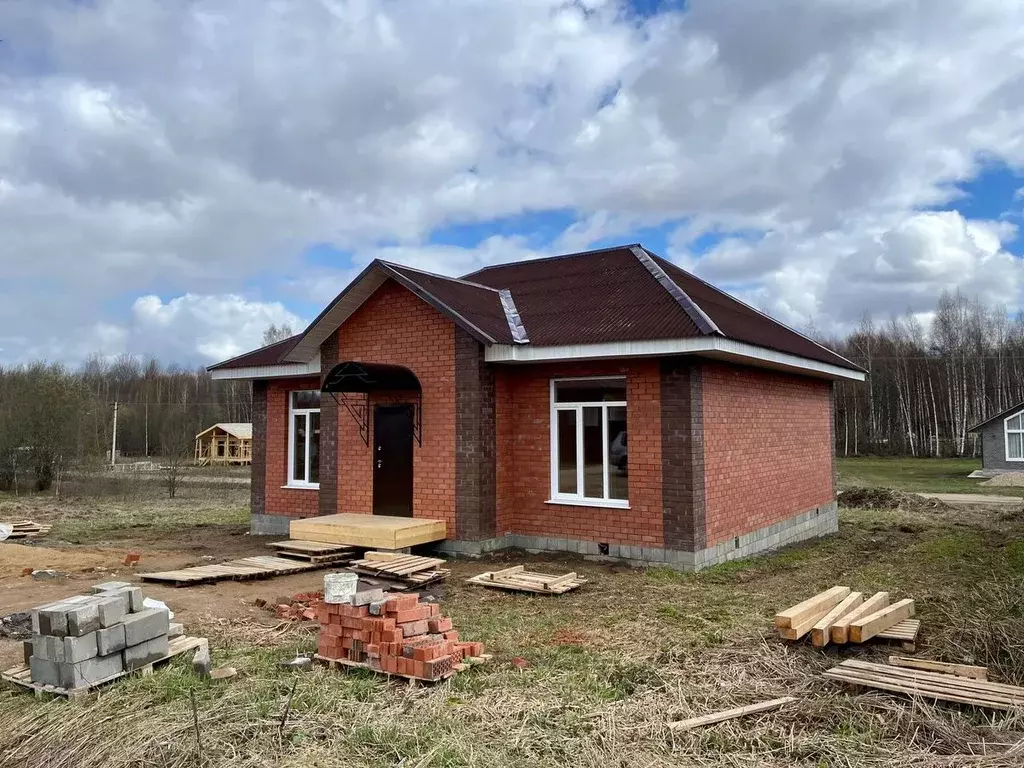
[[224, 443]]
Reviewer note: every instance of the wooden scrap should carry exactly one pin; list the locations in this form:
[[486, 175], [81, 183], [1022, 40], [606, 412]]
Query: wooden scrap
[[868, 626], [223, 673], [813, 607], [930, 685], [730, 714], [905, 633], [840, 629], [960, 670], [518, 579], [821, 632]]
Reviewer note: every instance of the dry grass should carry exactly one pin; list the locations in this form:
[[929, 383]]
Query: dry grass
[[608, 668]]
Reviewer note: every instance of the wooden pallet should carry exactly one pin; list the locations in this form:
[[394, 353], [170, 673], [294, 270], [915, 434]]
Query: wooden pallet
[[518, 579], [905, 633], [928, 684], [409, 570], [314, 551], [468, 662], [263, 567], [27, 529], [21, 676]]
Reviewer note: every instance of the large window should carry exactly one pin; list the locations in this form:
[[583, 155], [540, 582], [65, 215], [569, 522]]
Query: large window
[[589, 459], [304, 439], [1014, 427]]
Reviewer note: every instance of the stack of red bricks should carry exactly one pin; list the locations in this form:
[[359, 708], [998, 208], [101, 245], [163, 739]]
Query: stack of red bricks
[[396, 634]]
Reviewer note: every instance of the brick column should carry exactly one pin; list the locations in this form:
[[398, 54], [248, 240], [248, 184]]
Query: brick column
[[329, 463], [475, 481], [682, 455], [258, 484]]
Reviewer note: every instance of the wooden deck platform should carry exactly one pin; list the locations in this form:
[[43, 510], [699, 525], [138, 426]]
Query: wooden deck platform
[[369, 531], [241, 570]]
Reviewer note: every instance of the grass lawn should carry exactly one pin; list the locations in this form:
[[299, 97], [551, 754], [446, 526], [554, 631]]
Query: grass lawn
[[928, 475], [598, 675]]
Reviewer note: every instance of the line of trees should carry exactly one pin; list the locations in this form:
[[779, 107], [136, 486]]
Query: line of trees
[[929, 383], [53, 418]]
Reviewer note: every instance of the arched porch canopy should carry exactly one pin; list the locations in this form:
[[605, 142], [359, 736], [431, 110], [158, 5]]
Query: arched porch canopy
[[351, 376], [354, 378]]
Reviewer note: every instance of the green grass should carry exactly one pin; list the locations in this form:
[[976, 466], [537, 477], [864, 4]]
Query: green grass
[[917, 475], [606, 668]]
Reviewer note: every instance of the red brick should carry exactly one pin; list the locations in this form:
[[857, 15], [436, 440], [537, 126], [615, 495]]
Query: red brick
[[441, 624], [413, 628]]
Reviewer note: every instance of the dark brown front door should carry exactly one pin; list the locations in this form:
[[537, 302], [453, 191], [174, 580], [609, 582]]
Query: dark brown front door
[[392, 460]]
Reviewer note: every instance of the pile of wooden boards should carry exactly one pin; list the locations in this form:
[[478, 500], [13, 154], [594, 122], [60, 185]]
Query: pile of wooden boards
[[518, 579], [840, 615], [23, 529], [399, 571], [244, 569], [958, 683]]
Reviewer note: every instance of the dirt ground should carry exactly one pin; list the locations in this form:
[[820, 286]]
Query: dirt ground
[[590, 678]]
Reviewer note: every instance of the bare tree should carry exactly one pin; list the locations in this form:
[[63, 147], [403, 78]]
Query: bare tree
[[274, 333], [178, 443]]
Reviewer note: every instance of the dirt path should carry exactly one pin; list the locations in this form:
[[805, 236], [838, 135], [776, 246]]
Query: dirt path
[[974, 499]]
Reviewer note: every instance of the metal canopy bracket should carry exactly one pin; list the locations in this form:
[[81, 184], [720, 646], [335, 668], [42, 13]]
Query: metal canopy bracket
[[346, 381]]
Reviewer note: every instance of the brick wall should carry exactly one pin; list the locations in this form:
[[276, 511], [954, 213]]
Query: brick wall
[[474, 441], [682, 454], [293, 502], [397, 328], [329, 352], [767, 448], [258, 484], [524, 455]]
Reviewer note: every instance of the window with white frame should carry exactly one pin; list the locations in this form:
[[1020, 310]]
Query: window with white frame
[[1014, 427], [589, 459], [304, 438]]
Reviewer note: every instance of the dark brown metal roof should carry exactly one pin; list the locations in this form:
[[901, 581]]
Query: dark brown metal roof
[[589, 298], [618, 294], [272, 354]]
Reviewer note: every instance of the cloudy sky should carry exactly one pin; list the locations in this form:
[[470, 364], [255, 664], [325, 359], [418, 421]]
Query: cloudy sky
[[175, 175]]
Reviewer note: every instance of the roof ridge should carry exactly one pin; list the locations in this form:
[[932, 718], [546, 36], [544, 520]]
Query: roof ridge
[[626, 246], [515, 320], [396, 265], [755, 309], [704, 324]]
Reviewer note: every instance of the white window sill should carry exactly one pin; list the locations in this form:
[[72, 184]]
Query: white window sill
[[302, 486], [602, 503]]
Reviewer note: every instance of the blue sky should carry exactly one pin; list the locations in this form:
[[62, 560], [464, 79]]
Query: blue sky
[[163, 193]]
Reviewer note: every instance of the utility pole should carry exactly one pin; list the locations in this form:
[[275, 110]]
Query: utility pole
[[113, 441]]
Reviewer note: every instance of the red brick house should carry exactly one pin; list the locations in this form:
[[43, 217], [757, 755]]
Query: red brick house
[[605, 403]]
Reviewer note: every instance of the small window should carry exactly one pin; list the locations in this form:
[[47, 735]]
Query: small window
[[589, 460], [304, 439], [1014, 429]]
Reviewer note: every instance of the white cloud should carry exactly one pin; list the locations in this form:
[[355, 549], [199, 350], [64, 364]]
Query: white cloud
[[184, 148]]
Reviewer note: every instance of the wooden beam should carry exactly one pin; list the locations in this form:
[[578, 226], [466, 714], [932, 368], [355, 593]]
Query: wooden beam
[[960, 670], [730, 714], [821, 632], [816, 606], [867, 627], [840, 630]]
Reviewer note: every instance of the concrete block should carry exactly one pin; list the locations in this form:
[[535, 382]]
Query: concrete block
[[134, 597], [26, 649], [48, 647], [145, 625], [368, 596], [83, 619], [175, 630], [201, 661], [51, 620], [377, 607], [154, 649], [90, 671], [43, 671], [110, 640], [109, 586], [78, 649], [113, 610]]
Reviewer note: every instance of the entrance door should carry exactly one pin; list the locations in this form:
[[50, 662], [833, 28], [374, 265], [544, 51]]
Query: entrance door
[[392, 460]]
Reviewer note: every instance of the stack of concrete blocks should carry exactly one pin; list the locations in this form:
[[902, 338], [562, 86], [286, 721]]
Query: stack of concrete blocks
[[86, 639]]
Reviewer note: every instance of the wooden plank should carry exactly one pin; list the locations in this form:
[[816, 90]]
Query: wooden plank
[[526, 582], [929, 684], [959, 670], [821, 632], [867, 627], [369, 531], [841, 628], [507, 571], [816, 607], [309, 547], [730, 714]]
